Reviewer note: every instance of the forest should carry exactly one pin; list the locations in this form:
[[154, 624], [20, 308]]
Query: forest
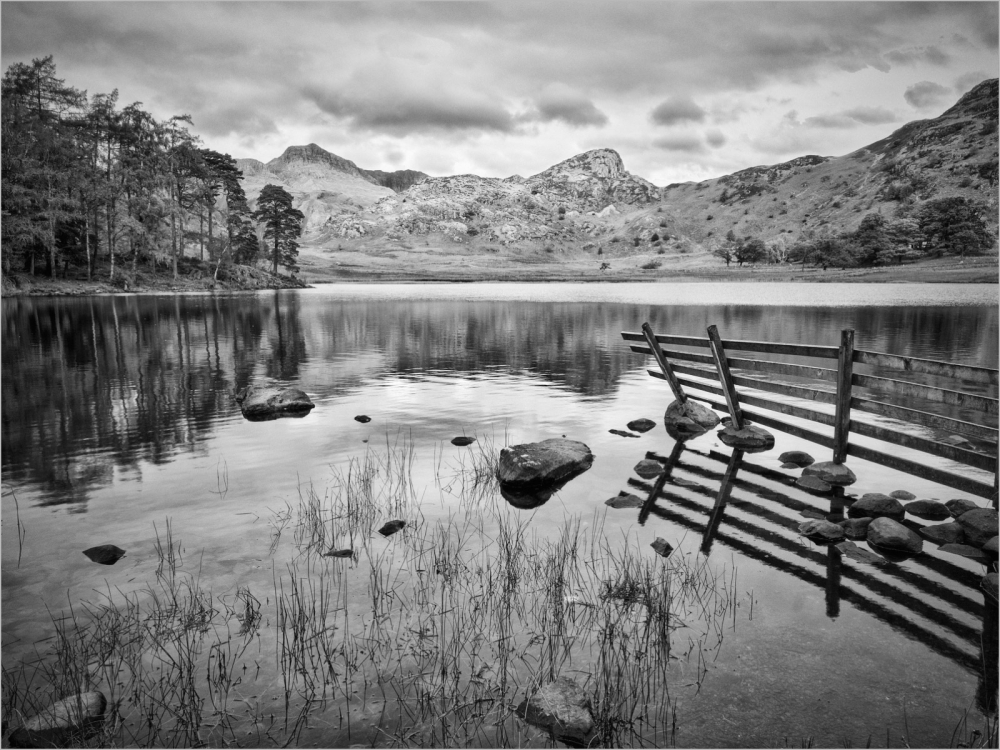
[[92, 186]]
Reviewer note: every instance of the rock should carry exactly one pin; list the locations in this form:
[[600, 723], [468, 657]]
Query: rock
[[622, 433], [529, 496], [990, 548], [956, 440], [625, 501], [341, 552], [885, 533], [855, 528], [876, 505], [662, 547], [814, 485], [462, 441], [543, 463], [822, 532], [391, 528], [853, 551], [931, 510], [64, 723], [990, 584], [902, 495], [979, 525], [561, 707], [943, 533], [814, 514], [831, 473], [790, 466], [648, 468], [801, 459], [105, 554], [261, 404], [641, 425], [964, 550], [960, 505], [751, 438], [363, 418], [688, 420]]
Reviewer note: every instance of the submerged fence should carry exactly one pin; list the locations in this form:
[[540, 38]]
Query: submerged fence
[[846, 391]]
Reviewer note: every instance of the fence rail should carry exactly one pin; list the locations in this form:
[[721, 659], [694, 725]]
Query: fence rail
[[836, 387]]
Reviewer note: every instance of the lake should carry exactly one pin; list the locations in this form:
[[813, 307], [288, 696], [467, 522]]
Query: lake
[[120, 427]]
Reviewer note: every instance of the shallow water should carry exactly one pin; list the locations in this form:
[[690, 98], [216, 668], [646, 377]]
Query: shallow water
[[117, 414]]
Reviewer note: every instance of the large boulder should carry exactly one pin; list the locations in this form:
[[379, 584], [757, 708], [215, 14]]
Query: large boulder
[[876, 505], [65, 723], [831, 473], [960, 505], [261, 404], [930, 510], [979, 525], [563, 708], [544, 463], [751, 438], [688, 419], [887, 534]]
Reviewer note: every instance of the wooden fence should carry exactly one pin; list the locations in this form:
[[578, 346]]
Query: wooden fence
[[849, 393]]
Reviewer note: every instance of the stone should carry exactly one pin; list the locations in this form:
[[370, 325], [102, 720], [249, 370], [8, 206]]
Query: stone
[[648, 468], [902, 495], [790, 466], [529, 496], [625, 501], [956, 440], [891, 535], [105, 554], [363, 418], [391, 527], [964, 550], [930, 510], [259, 404], [801, 459], [853, 551], [641, 425], [562, 707], [990, 548], [689, 419], [662, 547], [855, 528], [462, 441], [943, 533], [751, 438], [622, 433], [543, 463], [831, 473], [990, 584], [814, 514], [960, 505], [814, 485], [64, 723], [979, 525], [822, 532], [876, 505], [339, 553]]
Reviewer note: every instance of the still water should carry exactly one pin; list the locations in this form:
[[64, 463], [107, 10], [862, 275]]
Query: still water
[[118, 415]]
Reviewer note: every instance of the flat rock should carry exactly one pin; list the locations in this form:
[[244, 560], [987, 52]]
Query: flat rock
[[876, 505], [641, 425], [979, 525], [688, 420], [930, 510], [855, 528], [814, 485], [625, 501], [831, 473], [65, 723], [956, 440], [648, 468], [265, 403], [391, 527], [853, 551], [339, 553], [964, 550], [363, 418], [960, 505], [622, 433], [815, 514], [885, 533], [943, 533], [462, 440], [662, 547], [801, 459], [751, 438], [790, 466], [902, 495], [543, 463], [821, 531], [562, 707], [105, 554]]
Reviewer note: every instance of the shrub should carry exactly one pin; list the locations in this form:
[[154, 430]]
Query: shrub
[[651, 265]]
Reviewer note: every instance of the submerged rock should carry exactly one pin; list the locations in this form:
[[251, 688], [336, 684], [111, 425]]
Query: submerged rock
[[260, 404], [340, 553], [543, 463], [821, 531], [105, 554], [751, 438], [989, 584], [887, 534], [641, 425], [855, 528], [662, 547], [622, 433], [943, 533], [688, 420], [876, 505], [801, 459], [814, 485], [979, 525], [648, 468], [964, 550], [625, 501], [930, 510], [902, 495], [363, 418], [462, 441], [853, 551], [391, 527], [563, 708], [831, 473], [65, 723]]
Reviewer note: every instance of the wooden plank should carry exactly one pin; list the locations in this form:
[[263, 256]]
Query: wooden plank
[[768, 421], [757, 365], [970, 373], [842, 416], [944, 450], [663, 363], [725, 377], [808, 394], [668, 339], [924, 418], [765, 347], [922, 470], [927, 392]]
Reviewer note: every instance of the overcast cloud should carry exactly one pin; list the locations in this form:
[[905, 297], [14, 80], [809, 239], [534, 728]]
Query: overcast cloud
[[683, 90]]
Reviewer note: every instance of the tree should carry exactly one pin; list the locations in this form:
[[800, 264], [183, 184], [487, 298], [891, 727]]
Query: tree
[[282, 225], [726, 250], [955, 225], [871, 241], [750, 250]]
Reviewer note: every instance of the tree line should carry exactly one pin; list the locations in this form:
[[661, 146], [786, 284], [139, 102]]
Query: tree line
[[88, 184]]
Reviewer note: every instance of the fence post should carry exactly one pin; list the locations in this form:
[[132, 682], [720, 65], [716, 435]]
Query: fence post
[[725, 377], [842, 416], [661, 360]]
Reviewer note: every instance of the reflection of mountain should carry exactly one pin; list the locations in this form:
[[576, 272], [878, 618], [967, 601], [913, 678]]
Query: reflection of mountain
[[91, 384]]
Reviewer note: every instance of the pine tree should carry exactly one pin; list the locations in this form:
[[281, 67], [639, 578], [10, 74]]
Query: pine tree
[[282, 225]]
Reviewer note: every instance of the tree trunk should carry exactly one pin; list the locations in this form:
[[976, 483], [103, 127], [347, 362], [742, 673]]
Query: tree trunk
[[276, 254], [201, 235], [86, 240], [209, 234], [173, 231]]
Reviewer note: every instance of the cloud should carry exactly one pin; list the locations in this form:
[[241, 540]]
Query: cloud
[[913, 55], [560, 102], [685, 143], [852, 118], [677, 109], [926, 94], [715, 138]]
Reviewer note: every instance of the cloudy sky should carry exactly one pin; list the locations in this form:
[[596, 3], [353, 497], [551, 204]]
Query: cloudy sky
[[682, 90]]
